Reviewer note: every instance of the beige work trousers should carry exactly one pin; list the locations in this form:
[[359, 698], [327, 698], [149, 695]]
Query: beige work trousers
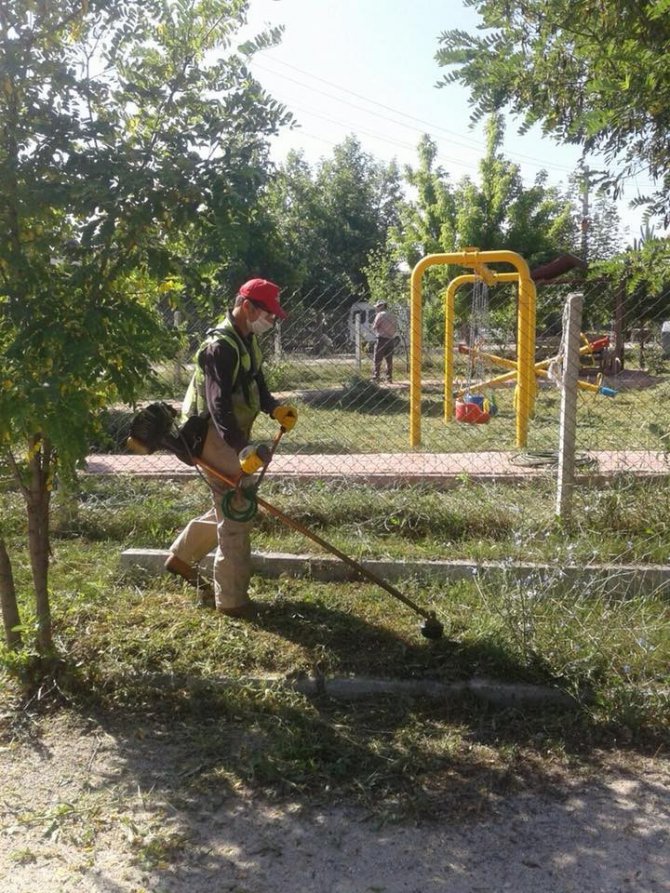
[[232, 561]]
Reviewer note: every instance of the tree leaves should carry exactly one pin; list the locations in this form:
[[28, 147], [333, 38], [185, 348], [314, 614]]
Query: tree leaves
[[331, 218], [593, 74], [132, 150]]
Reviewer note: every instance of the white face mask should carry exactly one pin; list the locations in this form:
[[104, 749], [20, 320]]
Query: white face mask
[[261, 325]]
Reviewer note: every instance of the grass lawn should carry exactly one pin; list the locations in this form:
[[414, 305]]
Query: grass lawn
[[139, 648]]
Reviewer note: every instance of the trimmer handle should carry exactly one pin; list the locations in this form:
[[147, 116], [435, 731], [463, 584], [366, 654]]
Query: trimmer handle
[[275, 444]]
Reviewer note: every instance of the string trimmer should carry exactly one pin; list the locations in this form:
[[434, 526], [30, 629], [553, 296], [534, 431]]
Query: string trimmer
[[154, 428]]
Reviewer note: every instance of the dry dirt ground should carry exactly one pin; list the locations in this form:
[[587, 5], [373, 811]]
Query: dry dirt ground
[[90, 808]]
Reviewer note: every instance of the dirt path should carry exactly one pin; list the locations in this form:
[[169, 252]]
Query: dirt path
[[84, 809]]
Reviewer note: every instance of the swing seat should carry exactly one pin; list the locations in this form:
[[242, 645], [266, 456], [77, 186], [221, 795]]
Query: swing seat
[[471, 412]]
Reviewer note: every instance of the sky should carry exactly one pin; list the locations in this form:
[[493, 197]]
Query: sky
[[367, 67]]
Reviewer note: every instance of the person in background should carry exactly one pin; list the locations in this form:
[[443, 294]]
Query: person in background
[[228, 388], [385, 328]]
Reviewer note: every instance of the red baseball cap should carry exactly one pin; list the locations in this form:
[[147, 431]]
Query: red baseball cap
[[265, 294]]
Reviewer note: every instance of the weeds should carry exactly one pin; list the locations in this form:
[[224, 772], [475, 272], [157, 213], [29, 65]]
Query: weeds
[[471, 521]]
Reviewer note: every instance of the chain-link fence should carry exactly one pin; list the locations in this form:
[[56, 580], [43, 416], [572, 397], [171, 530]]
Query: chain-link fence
[[322, 358]]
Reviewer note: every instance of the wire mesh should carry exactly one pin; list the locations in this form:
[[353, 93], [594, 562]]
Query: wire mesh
[[321, 359]]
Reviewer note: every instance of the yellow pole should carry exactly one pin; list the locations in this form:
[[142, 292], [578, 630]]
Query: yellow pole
[[415, 338], [415, 324], [526, 356]]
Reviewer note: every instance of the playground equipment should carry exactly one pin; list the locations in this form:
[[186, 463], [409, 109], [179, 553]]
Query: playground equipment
[[477, 261], [473, 407], [542, 369], [469, 405]]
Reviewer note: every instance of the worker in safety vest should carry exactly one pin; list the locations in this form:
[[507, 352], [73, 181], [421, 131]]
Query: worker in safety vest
[[229, 389]]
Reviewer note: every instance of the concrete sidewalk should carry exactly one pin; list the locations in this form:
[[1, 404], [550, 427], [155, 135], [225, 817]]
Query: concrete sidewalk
[[386, 469]]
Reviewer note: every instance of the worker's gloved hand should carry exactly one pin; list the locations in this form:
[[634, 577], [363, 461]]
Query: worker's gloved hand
[[254, 456], [286, 414]]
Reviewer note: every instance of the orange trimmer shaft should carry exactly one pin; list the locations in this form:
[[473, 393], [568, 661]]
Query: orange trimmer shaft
[[305, 531]]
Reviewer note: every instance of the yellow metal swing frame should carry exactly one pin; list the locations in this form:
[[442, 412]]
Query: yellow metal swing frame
[[478, 262]]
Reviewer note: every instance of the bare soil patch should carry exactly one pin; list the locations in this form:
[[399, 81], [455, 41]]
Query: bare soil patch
[[86, 806]]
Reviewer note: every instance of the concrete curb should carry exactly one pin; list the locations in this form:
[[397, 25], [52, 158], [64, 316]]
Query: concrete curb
[[617, 579], [499, 694]]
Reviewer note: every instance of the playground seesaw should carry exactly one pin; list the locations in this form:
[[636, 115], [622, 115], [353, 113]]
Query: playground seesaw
[[541, 369]]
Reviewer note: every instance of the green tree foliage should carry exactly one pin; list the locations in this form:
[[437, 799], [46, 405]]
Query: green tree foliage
[[427, 219], [593, 74], [604, 228], [597, 225], [332, 217], [359, 198], [499, 213], [130, 138], [643, 272], [295, 207], [385, 281], [426, 225], [534, 221]]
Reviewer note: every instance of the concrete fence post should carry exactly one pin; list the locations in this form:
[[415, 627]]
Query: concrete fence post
[[572, 322], [278, 350]]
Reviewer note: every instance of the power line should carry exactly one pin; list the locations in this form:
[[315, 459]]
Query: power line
[[472, 142], [375, 135], [458, 138], [388, 108], [475, 143], [441, 157]]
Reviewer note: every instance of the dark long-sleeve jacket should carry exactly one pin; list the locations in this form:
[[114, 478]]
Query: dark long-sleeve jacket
[[219, 361]]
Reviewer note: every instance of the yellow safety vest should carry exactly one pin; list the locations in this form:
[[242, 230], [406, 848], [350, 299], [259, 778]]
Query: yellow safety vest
[[246, 395]]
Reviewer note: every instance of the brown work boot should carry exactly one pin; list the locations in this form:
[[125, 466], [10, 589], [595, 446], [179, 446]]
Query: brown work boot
[[180, 568], [247, 611]]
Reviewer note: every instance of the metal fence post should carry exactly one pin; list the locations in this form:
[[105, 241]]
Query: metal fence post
[[568, 420], [177, 322]]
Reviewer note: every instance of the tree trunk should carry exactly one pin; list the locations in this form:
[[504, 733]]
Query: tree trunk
[[10, 609], [38, 501]]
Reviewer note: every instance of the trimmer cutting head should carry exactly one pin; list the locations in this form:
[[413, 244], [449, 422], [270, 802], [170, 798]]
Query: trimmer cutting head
[[431, 628]]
